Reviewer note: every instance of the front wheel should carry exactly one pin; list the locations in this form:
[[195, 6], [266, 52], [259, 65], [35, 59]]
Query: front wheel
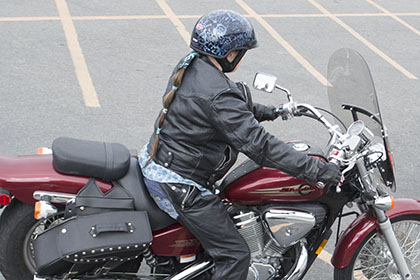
[[373, 259]]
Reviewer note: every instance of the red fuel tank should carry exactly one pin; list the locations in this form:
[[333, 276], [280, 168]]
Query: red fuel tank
[[252, 184]]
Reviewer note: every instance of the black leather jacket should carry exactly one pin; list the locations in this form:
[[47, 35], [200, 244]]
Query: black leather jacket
[[212, 119]]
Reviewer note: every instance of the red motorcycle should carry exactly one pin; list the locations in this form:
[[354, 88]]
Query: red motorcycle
[[104, 228]]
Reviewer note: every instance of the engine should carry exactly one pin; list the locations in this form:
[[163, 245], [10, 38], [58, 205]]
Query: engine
[[272, 232]]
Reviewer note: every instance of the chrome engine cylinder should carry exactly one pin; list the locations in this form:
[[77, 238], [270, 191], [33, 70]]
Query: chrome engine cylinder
[[250, 227]]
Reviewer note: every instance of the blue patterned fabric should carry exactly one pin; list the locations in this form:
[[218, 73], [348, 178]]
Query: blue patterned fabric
[[160, 198], [155, 174]]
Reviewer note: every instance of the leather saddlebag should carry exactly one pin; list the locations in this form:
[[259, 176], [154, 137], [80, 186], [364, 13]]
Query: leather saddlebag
[[87, 243]]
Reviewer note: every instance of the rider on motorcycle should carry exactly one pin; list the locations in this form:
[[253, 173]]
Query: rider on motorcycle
[[205, 121]]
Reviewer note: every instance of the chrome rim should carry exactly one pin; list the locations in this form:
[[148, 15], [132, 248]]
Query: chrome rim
[[34, 231], [375, 261]]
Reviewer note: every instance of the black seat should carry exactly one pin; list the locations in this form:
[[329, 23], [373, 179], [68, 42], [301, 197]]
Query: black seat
[[106, 161], [134, 184]]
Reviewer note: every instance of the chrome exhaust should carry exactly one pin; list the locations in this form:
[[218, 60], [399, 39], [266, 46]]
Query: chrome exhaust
[[302, 261], [193, 271]]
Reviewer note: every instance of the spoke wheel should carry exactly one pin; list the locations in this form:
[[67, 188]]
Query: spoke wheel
[[373, 259]]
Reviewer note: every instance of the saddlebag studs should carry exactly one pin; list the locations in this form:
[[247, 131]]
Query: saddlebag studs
[[102, 237]]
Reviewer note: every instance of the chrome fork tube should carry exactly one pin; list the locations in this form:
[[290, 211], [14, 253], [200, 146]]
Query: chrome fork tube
[[387, 231]]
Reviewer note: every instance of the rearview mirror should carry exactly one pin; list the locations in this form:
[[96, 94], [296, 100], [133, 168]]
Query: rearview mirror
[[265, 82]]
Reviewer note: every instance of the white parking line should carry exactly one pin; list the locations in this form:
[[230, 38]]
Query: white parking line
[[284, 43], [175, 20], [394, 17], [325, 256], [364, 41], [82, 72]]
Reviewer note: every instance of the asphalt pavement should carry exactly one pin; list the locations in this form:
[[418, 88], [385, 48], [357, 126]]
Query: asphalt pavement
[[97, 69]]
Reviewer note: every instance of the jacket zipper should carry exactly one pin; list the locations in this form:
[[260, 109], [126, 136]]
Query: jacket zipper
[[189, 192]]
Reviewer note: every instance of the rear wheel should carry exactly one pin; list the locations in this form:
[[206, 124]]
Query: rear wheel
[[18, 228], [373, 259]]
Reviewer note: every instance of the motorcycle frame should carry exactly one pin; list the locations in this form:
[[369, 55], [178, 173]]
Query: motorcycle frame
[[23, 186]]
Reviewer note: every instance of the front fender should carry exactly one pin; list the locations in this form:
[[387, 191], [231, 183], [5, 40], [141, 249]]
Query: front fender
[[354, 235]]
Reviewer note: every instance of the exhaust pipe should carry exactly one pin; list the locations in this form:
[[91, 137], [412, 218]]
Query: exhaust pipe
[[300, 265], [295, 273], [193, 271]]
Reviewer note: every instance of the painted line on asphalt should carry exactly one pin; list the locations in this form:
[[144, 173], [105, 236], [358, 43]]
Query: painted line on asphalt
[[118, 17], [148, 17], [284, 43], [28, 18], [394, 16], [364, 41], [325, 256], [82, 72], [175, 20]]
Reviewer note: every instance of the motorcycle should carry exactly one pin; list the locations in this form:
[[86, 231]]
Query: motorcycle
[[96, 220]]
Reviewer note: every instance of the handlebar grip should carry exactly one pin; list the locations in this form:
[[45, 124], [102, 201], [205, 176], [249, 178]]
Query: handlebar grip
[[283, 112]]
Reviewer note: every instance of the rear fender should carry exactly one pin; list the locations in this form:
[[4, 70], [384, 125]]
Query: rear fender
[[354, 235], [22, 175]]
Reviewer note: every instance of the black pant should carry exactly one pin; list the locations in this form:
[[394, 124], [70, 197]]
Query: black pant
[[207, 219]]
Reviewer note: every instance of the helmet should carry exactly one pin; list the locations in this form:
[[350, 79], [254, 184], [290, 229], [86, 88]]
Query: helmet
[[220, 32]]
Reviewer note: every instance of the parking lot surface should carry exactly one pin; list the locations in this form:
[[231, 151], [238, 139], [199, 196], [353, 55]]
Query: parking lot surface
[[97, 69]]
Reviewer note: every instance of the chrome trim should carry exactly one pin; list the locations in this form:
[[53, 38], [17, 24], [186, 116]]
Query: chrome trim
[[287, 227], [300, 265], [192, 271], [56, 197]]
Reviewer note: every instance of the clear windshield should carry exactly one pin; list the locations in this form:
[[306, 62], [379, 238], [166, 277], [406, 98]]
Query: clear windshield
[[352, 97]]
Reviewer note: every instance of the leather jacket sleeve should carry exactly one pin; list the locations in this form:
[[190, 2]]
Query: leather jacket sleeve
[[264, 113], [261, 112], [230, 115]]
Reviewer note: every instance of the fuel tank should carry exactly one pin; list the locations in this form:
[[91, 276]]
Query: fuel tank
[[250, 183], [22, 175]]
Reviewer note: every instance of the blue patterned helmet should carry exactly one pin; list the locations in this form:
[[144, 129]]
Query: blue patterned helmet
[[222, 31]]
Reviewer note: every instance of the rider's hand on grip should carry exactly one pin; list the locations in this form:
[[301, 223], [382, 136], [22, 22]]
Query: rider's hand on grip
[[273, 113], [329, 173]]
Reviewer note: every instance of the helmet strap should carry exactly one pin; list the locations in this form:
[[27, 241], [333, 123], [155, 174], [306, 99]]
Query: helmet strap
[[230, 66]]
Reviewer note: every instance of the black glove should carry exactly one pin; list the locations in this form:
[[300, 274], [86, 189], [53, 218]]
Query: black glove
[[329, 173], [271, 113]]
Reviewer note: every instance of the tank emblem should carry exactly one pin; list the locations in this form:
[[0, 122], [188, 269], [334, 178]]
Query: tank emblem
[[306, 189], [296, 190]]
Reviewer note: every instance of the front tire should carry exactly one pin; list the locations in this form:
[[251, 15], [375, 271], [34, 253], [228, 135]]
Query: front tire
[[373, 260], [18, 227]]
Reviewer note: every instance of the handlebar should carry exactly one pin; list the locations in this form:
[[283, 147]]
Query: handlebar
[[290, 109]]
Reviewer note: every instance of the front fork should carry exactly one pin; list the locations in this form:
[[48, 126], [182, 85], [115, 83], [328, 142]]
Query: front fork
[[386, 228]]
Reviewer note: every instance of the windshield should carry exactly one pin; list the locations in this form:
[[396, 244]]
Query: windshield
[[352, 97]]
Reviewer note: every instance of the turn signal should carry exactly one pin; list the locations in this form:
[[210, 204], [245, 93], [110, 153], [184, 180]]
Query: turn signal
[[43, 209], [385, 203], [44, 151], [393, 202]]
